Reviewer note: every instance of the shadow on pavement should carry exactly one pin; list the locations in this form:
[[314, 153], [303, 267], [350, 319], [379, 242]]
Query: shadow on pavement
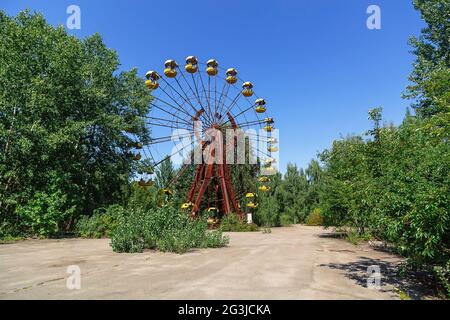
[[413, 284]]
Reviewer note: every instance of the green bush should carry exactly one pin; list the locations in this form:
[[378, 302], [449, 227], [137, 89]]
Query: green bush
[[45, 211], [285, 220], [442, 274], [232, 223], [164, 229], [315, 218], [101, 224]]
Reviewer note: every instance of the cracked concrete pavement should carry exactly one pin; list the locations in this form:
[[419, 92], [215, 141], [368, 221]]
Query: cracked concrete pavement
[[297, 262]]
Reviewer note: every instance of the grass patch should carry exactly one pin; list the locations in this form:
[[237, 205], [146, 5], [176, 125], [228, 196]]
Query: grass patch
[[10, 239]]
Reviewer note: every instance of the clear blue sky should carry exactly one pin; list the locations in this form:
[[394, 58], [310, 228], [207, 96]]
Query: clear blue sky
[[315, 61]]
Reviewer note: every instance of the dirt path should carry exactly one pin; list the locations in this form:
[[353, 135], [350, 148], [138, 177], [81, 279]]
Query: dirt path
[[290, 263]]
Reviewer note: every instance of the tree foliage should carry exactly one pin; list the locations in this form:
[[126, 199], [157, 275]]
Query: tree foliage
[[64, 112], [431, 74]]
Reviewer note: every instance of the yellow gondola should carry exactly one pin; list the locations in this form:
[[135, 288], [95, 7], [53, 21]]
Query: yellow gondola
[[272, 140], [148, 183], [137, 157], [263, 179], [270, 170], [260, 105], [152, 80], [167, 192], [148, 170], [270, 160], [191, 64], [268, 128], [138, 145], [269, 120], [272, 149], [187, 205], [264, 188], [151, 84], [212, 221], [247, 89], [231, 76], [250, 195], [141, 183], [252, 205], [260, 109], [211, 67], [170, 71]]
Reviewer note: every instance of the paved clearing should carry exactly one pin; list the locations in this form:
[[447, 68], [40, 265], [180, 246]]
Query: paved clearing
[[298, 262]]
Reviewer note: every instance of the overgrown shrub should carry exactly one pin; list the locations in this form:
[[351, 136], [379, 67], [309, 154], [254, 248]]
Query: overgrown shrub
[[286, 220], [232, 223], [102, 223], [442, 274], [395, 186], [164, 229], [315, 218]]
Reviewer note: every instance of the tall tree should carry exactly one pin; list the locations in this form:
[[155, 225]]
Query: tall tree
[[431, 73], [164, 173], [66, 115]]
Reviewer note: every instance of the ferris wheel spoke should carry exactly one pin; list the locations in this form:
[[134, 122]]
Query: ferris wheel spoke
[[161, 125], [186, 97], [167, 120], [173, 124], [179, 108], [195, 93], [206, 97], [170, 137], [228, 109], [160, 141], [256, 137], [181, 96], [250, 123], [171, 155], [165, 125], [211, 115], [261, 152], [170, 113], [220, 104], [207, 117], [177, 176], [215, 97], [242, 112]]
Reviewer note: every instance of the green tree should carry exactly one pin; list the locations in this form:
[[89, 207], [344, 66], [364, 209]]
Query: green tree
[[431, 73], [165, 173], [268, 213], [293, 190], [314, 174], [66, 114]]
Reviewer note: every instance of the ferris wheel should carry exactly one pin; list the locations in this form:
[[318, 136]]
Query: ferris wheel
[[197, 103]]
